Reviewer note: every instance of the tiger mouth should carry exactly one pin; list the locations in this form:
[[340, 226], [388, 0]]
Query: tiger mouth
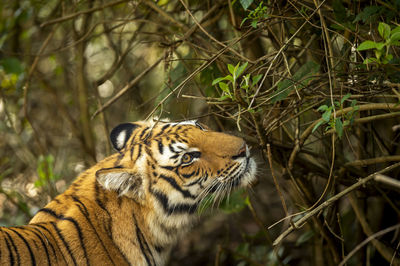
[[236, 181]]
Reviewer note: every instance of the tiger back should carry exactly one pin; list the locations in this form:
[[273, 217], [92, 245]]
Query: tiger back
[[133, 206]]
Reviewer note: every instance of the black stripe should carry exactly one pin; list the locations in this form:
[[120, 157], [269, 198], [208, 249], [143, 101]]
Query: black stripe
[[188, 175], [165, 127], [194, 182], [176, 208], [143, 244], [54, 241], [143, 132], [75, 223], [172, 182], [67, 247], [171, 230], [85, 213], [171, 148], [10, 247], [107, 224], [160, 147], [38, 235], [27, 245], [169, 168], [174, 156], [139, 148]]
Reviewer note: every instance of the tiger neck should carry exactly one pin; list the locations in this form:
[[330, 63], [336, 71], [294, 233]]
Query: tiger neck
[[165, 226], [155, 231]]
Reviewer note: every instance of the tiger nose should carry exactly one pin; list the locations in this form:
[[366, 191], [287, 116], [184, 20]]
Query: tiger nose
[[243, 152]]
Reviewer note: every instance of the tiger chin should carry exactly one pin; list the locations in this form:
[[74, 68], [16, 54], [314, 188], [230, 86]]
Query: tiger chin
[[133, 206]]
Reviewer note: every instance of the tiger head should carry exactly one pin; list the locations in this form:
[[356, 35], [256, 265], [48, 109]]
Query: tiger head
[[175, 165]]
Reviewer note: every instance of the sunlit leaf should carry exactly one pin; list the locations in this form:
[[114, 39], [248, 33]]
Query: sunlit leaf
[[380, 45], [246, 3], [224, 87], [323, 108], [384, 30], [395, 37], [218, 80], [240, 69], [327, 115], [231, 69], [365, 45]]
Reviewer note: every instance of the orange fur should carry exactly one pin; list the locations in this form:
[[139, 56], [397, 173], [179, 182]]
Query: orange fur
[[132, 207]]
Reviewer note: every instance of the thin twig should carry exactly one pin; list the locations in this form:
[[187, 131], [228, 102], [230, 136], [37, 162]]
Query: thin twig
[[331, 200], [384, 250], [90, 10], [126, 87], [388, 181], [364, 107], [269, 155]]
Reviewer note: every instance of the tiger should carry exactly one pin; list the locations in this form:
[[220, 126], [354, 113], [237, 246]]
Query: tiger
[[132, 207]]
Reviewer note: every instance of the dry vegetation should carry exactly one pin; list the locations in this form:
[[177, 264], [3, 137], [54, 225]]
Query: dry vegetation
[[312, 85]]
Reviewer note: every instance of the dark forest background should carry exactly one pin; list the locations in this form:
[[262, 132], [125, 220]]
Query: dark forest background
[[313, 86]]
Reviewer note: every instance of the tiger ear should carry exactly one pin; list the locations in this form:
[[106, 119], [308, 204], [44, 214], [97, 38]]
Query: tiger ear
[[121, 134], [122, 181]]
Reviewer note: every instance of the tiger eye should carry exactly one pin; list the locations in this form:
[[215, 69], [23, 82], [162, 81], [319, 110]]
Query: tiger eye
[[186, 158]]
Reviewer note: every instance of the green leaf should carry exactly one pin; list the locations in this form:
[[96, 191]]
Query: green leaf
[[347, 96], [240, 69], [322, 108], [224, 87], [246, 3], [365, 45], [231, 69], [339, 127], [301, 78], [12, 65], [371, 60], [218, 80], [394, 37], [380, 45], [256, 79], [337, 103], [224, 97], [384, 30], [254, 23], [317, 125], [387, 58], [395, 30], [241, 24], [327, 115]]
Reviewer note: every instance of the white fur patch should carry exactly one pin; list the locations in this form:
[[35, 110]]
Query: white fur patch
[[121, 139]]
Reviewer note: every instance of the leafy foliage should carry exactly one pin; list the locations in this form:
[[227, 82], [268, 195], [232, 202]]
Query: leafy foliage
[[337, 123], [278, 71], [382, 49]]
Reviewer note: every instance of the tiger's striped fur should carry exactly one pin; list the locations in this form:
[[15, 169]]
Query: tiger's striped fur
[[132, 207]]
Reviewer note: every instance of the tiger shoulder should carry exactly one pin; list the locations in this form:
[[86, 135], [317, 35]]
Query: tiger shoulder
[[133, 206]]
